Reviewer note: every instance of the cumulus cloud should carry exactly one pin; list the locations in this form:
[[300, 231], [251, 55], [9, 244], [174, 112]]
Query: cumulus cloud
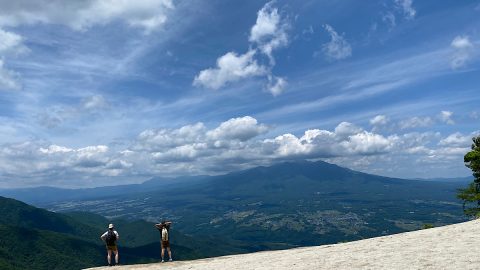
[[267, 34], [230, 68], [346, 129], [81, 15], [269, 31], [407, 8], [346, 140], [40, 163], [463, 51], [242, 129], [237, 143], [338, 48]]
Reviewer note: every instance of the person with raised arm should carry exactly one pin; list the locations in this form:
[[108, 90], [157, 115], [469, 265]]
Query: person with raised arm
[[164, 229]]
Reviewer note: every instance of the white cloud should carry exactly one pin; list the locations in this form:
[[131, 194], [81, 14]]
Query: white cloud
[[338, 48], [52, 149], [407, 8], [269, 31], [40, 163], [276, 85], [463, 51], [346, 140], [81, 15], [415, 122], [457, 139], [159, 140], [267, 24], [8, 79], [446, 117], [230, 67], [235, 144], [345, 130], [11, 43], [242, 128], [366, 143], [379, 120], [268, 34]]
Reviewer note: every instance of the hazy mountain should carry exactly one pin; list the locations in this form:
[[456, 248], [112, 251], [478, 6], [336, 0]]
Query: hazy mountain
[[462, 180], [289, 204], [42, 195]]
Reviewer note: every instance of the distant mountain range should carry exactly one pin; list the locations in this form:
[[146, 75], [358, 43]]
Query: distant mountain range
[[45, 195], [42, 195], [285, 205]]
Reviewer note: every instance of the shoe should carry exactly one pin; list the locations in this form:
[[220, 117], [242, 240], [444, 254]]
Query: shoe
[[162, 261], [170, 260]]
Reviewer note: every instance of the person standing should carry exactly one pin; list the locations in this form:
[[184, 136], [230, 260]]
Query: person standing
[[164, 228], [110, 238]]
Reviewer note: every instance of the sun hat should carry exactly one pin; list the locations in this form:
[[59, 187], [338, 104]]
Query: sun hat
[[110, 226]]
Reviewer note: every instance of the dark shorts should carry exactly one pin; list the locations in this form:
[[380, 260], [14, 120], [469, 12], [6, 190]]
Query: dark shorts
[[112, 248], [165, 244]]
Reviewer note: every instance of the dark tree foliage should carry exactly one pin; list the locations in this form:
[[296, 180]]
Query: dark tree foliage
[[471, 195]]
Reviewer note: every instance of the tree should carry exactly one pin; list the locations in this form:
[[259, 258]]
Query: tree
[[471, 195]]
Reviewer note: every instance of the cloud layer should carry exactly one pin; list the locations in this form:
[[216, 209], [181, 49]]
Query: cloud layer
[[235, 144]]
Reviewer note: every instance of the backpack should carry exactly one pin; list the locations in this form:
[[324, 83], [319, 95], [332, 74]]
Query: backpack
[[111, 238], [164, 234]]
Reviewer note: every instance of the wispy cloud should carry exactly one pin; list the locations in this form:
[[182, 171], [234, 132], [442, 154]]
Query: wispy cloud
[[338, 48], [446, 117], [145, 14], [416, 122], [11, 45], [463, 51], [407, 7], [8, 78]]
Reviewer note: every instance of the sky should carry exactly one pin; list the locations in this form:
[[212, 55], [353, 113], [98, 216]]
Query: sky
[[96, 93]]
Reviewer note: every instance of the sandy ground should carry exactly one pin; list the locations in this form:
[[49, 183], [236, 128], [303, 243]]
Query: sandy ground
[[449, 247]]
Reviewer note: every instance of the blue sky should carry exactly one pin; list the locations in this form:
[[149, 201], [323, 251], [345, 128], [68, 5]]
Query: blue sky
[[97, 93]]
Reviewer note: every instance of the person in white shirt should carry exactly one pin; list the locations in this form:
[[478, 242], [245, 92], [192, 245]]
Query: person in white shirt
[[110, 238]]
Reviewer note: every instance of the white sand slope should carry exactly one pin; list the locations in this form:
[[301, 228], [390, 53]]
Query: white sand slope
[[449, 247]]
